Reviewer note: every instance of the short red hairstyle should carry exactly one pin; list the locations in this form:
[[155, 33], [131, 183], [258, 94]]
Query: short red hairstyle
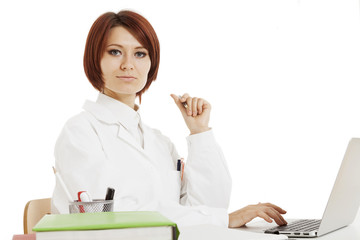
[[138, 26]]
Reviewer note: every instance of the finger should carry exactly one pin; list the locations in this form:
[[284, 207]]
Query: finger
[[194, 106], [283, 219], [277, 208], [206, 105], [182, 102], [264, 216], [176, 99], [276, 216], [189, 106], [178, 103], [200, 104], [184, 97]]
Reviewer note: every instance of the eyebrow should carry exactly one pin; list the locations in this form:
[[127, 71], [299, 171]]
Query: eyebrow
[[121, 46]]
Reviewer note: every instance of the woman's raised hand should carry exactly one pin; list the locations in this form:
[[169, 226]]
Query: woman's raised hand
[[196, 113]]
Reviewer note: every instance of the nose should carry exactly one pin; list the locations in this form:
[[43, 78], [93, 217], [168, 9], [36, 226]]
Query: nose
[[126, 63]]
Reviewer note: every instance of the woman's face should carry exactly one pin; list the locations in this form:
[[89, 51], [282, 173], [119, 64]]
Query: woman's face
[[125, 63]]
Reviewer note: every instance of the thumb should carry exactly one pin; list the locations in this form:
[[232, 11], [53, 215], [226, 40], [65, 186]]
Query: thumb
[[178, 103]]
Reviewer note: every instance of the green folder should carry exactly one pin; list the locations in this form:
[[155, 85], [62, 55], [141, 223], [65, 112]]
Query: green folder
[[103, 221]]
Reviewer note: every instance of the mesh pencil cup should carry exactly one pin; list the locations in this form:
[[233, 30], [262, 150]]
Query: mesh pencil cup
[[97, 205]]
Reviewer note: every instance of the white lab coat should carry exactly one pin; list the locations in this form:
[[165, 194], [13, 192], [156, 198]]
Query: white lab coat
[[94, 151]]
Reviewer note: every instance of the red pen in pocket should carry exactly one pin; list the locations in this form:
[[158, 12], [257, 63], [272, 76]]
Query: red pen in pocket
[[182, 168]]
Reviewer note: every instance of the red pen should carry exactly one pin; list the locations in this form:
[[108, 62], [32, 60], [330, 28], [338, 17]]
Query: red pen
[[84, 196], [81, 207], [182, 168]]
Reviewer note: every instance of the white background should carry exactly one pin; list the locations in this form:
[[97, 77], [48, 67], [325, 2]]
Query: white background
[[282, 77]]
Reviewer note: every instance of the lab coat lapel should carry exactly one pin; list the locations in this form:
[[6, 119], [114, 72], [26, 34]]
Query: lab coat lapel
[[151, 145], [103, 115], [126, 136]]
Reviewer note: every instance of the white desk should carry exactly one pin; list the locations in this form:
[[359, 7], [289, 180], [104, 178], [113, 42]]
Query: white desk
[[350, 232], [211, 232]]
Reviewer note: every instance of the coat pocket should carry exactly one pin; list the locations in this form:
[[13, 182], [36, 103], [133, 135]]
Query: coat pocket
[[172, 186]]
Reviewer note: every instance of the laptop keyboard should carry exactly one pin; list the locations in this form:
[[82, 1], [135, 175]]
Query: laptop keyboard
[[304, 225]]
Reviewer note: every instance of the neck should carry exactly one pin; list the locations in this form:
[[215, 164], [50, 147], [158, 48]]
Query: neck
[[128, 99]]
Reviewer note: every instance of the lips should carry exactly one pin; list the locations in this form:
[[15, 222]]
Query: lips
[[126, 78]]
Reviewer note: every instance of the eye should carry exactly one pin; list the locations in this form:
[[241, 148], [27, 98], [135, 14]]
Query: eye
[[140, 54], [114, 52]]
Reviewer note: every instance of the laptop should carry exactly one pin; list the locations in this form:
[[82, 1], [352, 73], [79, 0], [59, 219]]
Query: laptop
[[342, 205]]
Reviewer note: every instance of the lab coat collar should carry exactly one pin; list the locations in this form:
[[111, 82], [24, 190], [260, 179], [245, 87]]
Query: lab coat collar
[[112, 111]]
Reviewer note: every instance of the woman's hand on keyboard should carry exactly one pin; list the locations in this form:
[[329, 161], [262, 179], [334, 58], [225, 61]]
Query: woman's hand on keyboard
[[267, 211]]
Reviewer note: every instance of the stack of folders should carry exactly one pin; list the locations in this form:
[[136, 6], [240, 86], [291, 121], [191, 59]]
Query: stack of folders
[[106, 225]]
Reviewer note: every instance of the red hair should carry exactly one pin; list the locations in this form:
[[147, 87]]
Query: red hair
[[138, 26]]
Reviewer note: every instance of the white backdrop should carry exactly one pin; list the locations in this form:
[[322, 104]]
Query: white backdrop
[[282, 77]]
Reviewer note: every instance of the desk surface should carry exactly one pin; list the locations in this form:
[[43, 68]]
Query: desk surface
[[350, 232]]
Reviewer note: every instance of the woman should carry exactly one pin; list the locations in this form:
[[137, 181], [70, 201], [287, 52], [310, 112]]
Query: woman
[[107, 145]]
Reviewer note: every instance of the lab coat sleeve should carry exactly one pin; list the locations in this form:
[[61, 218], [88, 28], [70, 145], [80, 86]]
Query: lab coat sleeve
[[207, 179], [78, 158]]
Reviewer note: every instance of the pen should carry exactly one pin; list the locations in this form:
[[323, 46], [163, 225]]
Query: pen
[[183, 103], [81, 207], [84, 196], [110, 192], [182, 169], [178, 166], [59, 178]]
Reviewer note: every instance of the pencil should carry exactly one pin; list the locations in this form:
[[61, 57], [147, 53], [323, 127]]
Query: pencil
[[59, 178]]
